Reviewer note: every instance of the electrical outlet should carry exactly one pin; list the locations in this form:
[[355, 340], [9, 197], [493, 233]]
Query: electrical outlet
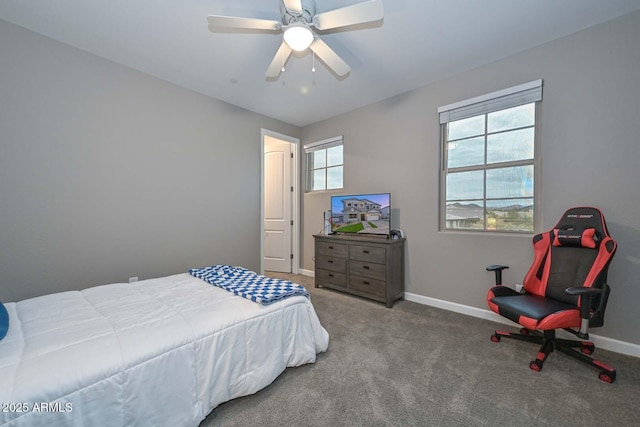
[[133, 279]]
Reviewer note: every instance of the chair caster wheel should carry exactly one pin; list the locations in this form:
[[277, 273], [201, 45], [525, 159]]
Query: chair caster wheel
[[495, 338], [587, 349], [607, 377], [535, 365]]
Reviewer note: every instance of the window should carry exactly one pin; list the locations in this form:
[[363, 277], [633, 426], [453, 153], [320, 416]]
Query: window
[[324, 165], [489, 161]]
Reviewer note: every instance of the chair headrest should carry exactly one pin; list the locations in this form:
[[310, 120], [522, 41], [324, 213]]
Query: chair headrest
[[581, 227], [578, 238]]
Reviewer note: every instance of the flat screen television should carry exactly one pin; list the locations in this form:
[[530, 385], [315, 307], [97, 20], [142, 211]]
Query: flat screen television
[[361, 213]]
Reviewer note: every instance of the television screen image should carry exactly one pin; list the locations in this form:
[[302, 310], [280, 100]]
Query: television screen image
[[361, 213]]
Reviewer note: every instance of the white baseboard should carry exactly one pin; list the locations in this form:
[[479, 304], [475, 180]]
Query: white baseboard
[[602, 342], [309, 273]]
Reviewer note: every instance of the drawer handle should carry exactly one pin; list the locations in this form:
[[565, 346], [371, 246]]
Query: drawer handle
[[330, 261], [364, 282], [366, 267], [365, 252], [330, 247], [330, 275]]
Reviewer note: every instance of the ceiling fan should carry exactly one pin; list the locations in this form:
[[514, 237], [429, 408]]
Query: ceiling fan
[[298, 19]]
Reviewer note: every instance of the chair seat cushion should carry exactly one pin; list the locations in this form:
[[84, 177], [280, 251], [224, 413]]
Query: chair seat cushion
[[532, 311]]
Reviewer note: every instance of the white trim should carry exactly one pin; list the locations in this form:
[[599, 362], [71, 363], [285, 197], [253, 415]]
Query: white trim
[[309, 273], [312, 146], [493, 95], [606, 343], [295, 233]]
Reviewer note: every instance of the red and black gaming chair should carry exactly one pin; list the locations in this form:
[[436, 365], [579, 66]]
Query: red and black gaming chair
[[565, 288]]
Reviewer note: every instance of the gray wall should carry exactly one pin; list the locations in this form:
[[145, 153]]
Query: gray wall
[[590, 150], [107, 173]]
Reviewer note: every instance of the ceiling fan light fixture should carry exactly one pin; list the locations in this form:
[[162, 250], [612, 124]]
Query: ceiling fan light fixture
[[298, 36]]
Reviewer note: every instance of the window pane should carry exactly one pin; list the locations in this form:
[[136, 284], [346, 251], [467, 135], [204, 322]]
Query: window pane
[[318, 179], [512, 118], [324, 168], [488, 170], [334, 156], [465, 185], [334, 177], [510, 215], [510, 146], [466, 127], [467, 152], [319, 159], [465, 215], [510, 182]]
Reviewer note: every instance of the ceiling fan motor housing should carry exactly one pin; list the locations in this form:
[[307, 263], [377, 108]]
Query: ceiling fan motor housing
[[306, 14]]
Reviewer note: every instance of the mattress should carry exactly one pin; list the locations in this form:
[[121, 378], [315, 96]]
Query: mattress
[[160, 352]]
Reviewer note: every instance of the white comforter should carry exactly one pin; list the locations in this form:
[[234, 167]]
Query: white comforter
[[159, 352]]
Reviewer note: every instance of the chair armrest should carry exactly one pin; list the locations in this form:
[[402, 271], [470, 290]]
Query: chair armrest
[[582, 290], [496, 268], [585, 293]]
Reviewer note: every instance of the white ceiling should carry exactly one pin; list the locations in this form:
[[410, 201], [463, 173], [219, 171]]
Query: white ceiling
[[418, 42]]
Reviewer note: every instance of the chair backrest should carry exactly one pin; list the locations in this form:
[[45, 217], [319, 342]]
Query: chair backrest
[[576, 252]]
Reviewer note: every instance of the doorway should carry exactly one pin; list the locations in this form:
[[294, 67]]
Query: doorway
[[279, 243]]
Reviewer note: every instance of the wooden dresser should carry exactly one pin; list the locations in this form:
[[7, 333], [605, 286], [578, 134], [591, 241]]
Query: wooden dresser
[[370, 267]]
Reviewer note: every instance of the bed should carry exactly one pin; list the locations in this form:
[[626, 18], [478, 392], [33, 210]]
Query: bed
[[161, 352]]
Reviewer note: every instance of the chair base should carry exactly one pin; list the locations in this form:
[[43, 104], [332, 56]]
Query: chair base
[[549, 343]]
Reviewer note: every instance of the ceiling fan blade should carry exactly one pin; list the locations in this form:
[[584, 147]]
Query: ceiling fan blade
[[218, 21], [295, 5], [329, 57], [351, 15], [278, 61]]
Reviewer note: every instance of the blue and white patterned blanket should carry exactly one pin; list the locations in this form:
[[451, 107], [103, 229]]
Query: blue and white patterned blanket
[[247, 284]]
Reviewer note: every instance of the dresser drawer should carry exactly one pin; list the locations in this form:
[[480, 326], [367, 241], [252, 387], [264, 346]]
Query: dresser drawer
[[368, 269], [332, 249], [331, 263], [368, 253], [368, 285], [331, 277]]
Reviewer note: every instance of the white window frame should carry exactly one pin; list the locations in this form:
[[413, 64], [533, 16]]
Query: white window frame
[[482, 105], [319, 146]]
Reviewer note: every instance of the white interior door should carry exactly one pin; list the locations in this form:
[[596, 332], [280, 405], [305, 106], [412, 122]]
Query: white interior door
[[277, 205]]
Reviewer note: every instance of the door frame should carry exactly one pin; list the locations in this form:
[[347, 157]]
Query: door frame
[[295, 197]]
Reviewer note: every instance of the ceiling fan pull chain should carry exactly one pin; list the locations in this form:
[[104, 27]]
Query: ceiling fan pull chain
[[313, 66]]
